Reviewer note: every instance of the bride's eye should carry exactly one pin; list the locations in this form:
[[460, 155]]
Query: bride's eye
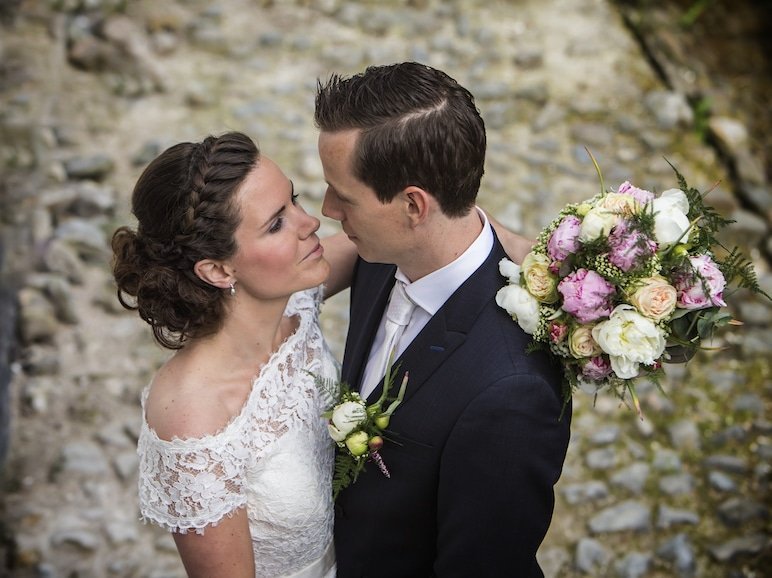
[[295, 197], [277, 225]]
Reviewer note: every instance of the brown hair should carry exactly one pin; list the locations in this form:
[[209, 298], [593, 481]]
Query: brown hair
[[418, 127], [185, 207]]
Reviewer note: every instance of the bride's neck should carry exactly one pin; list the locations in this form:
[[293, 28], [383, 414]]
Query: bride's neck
[[250, 333]]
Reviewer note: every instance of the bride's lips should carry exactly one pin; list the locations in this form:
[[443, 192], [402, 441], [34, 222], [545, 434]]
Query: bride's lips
[[317, 251]]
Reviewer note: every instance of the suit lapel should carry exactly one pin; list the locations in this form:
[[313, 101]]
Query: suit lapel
[[367, 308], [448, 328]]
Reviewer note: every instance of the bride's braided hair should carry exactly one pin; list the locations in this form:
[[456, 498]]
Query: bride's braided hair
[[185, 206]]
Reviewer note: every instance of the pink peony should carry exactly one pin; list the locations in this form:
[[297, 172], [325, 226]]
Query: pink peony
[[564, 239], [692, 287], [629, 247], [586, 295], [641, 195], [597, 368]]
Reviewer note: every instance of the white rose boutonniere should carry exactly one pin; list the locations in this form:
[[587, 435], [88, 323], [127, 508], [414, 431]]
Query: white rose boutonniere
[[358, 429]]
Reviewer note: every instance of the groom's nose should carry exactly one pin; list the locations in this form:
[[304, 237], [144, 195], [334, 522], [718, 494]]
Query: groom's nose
[[331, 206]]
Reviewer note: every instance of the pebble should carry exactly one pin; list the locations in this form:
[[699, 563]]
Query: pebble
[[629, 515], [679, 551], [591, 556]]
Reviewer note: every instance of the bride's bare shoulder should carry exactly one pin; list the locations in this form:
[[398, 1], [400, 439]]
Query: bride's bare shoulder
[[184, 402]]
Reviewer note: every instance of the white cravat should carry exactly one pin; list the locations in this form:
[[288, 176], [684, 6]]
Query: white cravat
[[398, 314]]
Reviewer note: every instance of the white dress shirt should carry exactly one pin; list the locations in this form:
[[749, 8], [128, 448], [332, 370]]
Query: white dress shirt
[[429, 293]]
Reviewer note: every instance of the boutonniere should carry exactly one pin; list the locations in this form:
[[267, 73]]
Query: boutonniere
[[358, 428]]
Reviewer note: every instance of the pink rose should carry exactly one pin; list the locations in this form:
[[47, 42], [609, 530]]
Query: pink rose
[[586, 295], [641, 195], [702, 286], [597, 368], [558, 331], [564, 239], [629, 247]]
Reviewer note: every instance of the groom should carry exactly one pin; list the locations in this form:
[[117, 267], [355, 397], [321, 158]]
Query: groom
[[475, 448]]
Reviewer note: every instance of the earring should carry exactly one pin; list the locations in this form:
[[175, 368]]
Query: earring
[[233, 289]]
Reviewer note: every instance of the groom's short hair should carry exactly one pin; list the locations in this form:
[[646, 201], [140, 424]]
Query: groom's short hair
[[418, 127]]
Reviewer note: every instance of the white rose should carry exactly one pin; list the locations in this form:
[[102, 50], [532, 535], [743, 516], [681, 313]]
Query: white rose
[[345, 418], [521, 305], [629, 338], [510, 270], [670, 217], [597, 223]]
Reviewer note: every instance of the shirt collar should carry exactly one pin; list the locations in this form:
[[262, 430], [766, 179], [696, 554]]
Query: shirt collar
[[431, 291]]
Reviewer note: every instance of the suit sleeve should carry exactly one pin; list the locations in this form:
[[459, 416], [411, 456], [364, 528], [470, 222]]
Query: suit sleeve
[[497, 474]]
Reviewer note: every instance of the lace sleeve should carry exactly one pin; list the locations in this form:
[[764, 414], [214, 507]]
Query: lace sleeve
[[190, 484]]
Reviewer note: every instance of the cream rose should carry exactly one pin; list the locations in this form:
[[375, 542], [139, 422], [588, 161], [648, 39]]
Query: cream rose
[[521, 305], [630, 339], [582, 344], [538, 279], [655, 298], [597, 223], [620, 203]]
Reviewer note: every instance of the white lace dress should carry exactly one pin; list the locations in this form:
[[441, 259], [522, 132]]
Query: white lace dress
[[274, 458]]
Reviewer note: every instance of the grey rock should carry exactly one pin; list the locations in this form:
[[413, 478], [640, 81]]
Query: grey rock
[[37, 316], [84, 457], [736, 511], [633, 477], [633, 565], [95, 167], [684, 435], [734, 433], [601, 458], [61, 258], [591, 556], [605, 435], [670, 109], [676, 484], [667, 517], [592, 135], [629, 515], [85, 236], [121, 532], [585, 492], [666, 460], [752, 544], [679, 551], [730, 134], [126, 464], [41, 359], [748, 402], [85, 539], [721, 481], [754, 313], [529, 58], [550, 115], [727, 463]]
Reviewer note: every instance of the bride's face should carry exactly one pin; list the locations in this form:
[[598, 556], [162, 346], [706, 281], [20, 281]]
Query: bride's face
[[278, 250]]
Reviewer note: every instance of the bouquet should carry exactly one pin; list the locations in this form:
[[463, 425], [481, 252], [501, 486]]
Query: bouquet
[[358, 428], [622, 282]]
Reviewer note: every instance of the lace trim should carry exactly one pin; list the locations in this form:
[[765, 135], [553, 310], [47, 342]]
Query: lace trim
[[188, 484]]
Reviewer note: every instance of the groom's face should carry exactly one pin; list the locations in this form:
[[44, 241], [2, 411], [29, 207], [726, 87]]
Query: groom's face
[[377, 229]]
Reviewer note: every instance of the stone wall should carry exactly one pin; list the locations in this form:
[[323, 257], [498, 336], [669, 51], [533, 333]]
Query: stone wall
[[91, 90]]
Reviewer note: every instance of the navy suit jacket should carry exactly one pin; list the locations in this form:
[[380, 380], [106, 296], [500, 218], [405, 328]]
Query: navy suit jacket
[[474, 450]]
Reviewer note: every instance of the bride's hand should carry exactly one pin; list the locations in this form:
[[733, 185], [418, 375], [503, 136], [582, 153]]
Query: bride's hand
[[516, 246]]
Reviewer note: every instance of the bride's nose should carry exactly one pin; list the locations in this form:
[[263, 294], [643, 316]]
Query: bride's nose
[[308, 225]]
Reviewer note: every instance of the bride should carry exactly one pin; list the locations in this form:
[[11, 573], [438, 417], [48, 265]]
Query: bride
[[227, 269]]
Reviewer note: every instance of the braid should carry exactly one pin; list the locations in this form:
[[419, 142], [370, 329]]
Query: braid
[[186, 208]]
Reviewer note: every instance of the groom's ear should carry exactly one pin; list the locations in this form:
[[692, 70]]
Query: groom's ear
[[418, 203]]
